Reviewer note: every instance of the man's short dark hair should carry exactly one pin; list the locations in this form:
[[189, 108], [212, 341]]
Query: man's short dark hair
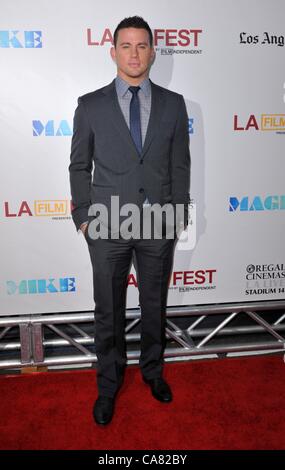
[[133, 22]]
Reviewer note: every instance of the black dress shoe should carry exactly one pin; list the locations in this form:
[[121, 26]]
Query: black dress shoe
[[159, 389], [103, 409]]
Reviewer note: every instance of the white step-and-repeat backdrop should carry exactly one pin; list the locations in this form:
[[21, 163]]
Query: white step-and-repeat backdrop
[[227, 58]]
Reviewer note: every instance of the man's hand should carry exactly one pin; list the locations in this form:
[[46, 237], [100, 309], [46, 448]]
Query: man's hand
[[83, 228]]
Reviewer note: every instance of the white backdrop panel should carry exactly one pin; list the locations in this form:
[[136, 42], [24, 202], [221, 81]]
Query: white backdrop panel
[[227, 59]]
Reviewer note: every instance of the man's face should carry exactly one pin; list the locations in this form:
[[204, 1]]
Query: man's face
[[133, 54]]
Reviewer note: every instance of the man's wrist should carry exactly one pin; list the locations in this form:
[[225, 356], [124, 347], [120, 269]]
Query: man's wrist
[[83, 226]]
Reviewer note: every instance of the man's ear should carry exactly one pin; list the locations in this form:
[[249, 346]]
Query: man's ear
[[113, 53], [153, 54]]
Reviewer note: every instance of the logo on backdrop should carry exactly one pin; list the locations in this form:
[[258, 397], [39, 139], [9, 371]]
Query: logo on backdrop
[[41, 286], [265, 279], [264, 38], [56, 209], [166, 41], [198, 280], [191, 125], [51, 128], [21, 39], [185, 281], [265, 122], [177, 41], [62, 128], [256, 203]]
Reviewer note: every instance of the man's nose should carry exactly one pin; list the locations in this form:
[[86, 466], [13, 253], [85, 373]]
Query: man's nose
[[134, 51]]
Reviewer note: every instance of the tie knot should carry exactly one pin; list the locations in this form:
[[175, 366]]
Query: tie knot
[[134, 89]]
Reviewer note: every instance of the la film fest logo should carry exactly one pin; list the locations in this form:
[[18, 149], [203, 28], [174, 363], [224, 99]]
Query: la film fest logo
[[263, 39], [264, 122], [185, 281], [54, 208], [265, 279], [195, 280], [177, 41], [166, 41]]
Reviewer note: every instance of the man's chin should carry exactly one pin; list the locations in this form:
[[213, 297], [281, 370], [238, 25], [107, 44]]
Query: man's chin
[[135, 73]]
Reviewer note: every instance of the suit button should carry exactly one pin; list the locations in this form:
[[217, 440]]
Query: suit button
[[141, 162], [141, 190]]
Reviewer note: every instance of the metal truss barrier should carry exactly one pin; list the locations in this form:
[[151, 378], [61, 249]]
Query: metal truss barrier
[[36, 335]]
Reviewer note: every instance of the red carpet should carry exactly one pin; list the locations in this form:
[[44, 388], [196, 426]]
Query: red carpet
[[218, 404]]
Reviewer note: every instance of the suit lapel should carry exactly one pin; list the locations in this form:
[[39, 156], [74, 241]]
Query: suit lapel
[[117, 117], [157, 103]]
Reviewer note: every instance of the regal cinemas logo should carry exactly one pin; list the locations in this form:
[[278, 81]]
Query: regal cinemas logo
[[55, 208], [166, 41], [184, 281], [264, 122], [265, 279]]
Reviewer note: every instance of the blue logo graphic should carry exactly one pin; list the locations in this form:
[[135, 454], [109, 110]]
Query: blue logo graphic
[[190, 126], [41, 286], [50, 130], [27, 39], [269, 203]]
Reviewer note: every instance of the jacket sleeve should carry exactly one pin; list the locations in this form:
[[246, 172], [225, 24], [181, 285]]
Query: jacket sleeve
[[80, 168], [181, 161]]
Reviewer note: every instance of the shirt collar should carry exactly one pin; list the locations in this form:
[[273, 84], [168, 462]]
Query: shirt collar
[[122, 87]]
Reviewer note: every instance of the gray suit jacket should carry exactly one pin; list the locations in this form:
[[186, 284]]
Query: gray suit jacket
[[104, 160]]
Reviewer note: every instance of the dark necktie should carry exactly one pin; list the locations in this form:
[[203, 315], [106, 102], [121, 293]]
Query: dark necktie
[[135, 118]]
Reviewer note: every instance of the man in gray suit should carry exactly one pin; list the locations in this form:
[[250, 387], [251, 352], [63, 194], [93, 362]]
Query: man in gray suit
[[131, 141]]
